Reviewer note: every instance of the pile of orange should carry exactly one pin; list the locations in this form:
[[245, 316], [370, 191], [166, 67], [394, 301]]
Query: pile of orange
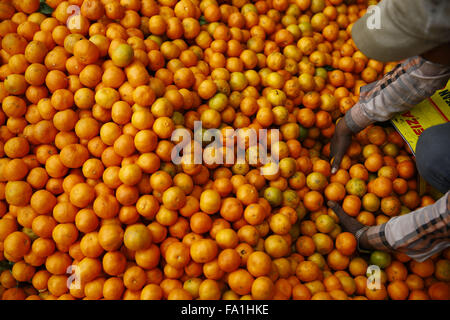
[[88, 190]]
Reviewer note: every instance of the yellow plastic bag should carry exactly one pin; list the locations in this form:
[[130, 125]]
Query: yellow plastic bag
[[430, 112]]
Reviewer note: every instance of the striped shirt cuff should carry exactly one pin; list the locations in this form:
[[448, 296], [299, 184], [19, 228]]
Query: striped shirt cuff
[[376, 236], [356, 119], [399, 90], [419, 234]]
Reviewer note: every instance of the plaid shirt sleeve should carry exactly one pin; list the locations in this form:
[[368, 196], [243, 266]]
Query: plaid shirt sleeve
[[419, 234], [399, 90]]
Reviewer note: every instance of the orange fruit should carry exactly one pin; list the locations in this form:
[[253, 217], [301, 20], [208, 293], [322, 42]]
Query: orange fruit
[[376, 293], [262, 288], [337, 261], [396, 271], [137, 237], [351, 205], [406, 169], [439, 291], [442, 270], [422, 269], [96, 104], [177, 255], [335, 191], [382, 187], [240, 281], [398, 290], [86, 51], [122, 55], [313, 200], [259, 264], [346, 243], [276, 246], [308, 271], [17, 244], [203, 250]]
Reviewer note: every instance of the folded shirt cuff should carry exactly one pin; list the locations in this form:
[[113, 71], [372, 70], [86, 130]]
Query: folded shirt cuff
[[356, 119], [376, 236]]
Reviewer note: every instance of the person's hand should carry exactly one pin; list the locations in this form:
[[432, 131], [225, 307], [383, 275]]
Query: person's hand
[[350, 224], [339, 143]]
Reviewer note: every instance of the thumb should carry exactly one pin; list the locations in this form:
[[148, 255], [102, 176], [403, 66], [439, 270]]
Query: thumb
[[336, 208], [332, 204], [336, 162]]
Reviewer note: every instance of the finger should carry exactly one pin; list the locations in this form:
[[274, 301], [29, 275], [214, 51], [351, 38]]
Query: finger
[[336, 162], [331, 163], [336, 208], [332, 204], [332, 152], [332, 148]]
